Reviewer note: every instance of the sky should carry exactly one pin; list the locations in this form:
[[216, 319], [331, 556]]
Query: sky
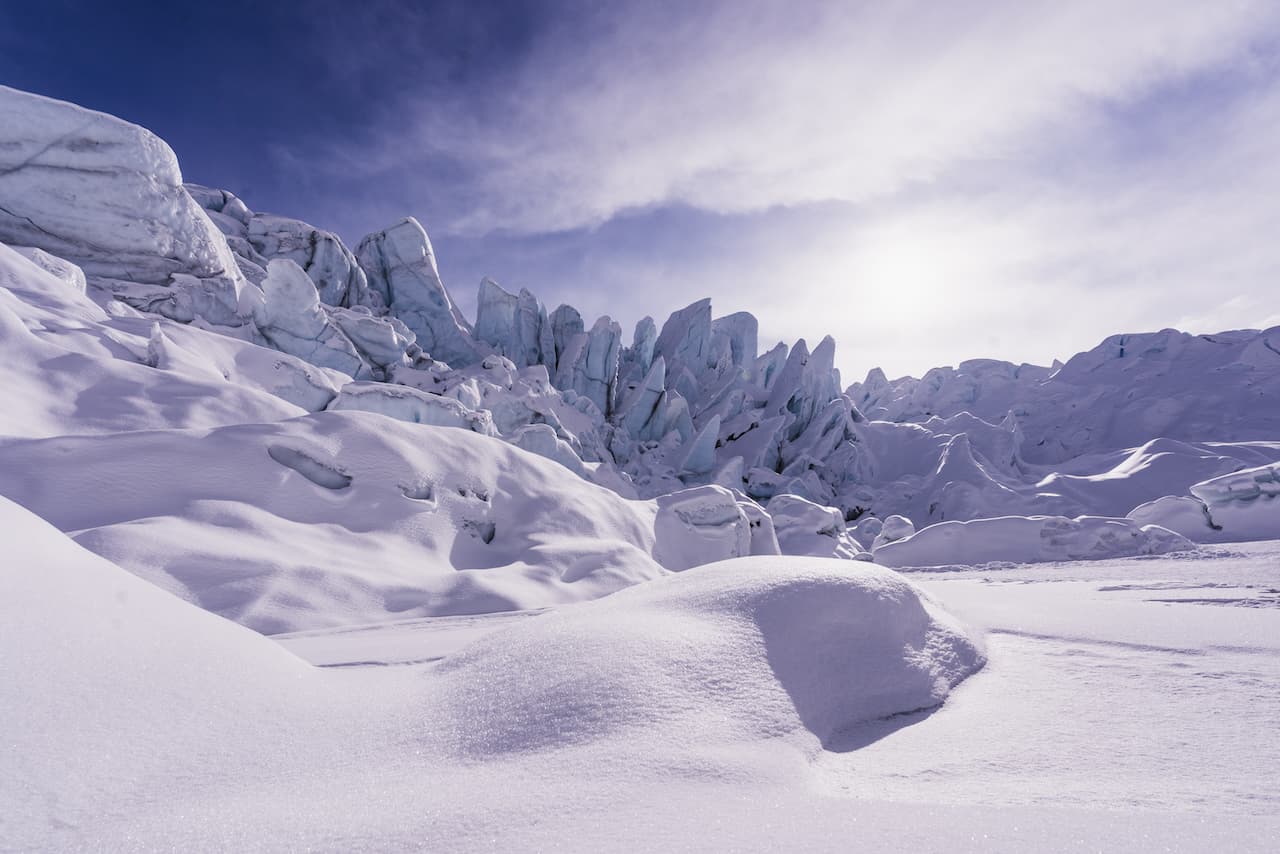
[[926, 182]]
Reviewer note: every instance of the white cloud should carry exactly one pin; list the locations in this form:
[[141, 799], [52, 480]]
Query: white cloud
[[1014, 179], [736, 106]]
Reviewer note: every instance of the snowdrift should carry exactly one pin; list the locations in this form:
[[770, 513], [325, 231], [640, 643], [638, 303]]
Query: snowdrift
[[189, 731], [336, 517], [114, 689], [735, 650], [1236, 507], [1028, 539]]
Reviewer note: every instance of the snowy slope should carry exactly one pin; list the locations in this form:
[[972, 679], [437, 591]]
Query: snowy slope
[[206, 735], [336, 518]]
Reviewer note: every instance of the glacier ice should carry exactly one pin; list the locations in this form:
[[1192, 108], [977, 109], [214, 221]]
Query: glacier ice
[[401, 268], [691, 404], [107, 196]]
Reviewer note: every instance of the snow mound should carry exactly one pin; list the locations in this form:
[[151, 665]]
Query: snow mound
[[1236, 507], [111, 684], [336, 518], [1028, 539], [80, 370], [741, 650]]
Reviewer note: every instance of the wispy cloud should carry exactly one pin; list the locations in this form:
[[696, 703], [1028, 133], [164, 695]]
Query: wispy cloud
[[736, 106], [925, 181]]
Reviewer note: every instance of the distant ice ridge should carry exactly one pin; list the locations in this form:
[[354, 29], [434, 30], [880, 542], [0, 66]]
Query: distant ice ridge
[[1127, 390]]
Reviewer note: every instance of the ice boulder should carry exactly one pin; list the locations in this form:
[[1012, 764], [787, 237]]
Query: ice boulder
[[321, 254], [799, 649], [401, 267], [1028, 539], [1236, 507], [59, 268], [416, 407], [700, 525], [107, 195], [806, 528], [541, 439]]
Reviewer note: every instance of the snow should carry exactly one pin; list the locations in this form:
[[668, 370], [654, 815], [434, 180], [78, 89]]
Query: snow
[[336, 518], [617, 715], [84, 371], [58, 267], [218, 735], [1234, 507], [1027, 539], [553, 589]]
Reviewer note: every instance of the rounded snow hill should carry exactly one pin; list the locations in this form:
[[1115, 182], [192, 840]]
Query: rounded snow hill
[[740, 650], [336, 518]]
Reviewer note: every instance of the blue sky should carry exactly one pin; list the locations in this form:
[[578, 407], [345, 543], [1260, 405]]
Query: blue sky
[[926, 182]]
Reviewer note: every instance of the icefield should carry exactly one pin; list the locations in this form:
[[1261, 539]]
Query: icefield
[[298, 555]]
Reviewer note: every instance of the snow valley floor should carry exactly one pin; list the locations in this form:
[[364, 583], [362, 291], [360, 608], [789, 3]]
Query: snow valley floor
[[1124, 705]]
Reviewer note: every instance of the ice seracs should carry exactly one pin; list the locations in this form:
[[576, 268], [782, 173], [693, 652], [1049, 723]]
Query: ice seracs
[[107, 196], [256, 238], [401, 268], [291, 319], [690, 404]]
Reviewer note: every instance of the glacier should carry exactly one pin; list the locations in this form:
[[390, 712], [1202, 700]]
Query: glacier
[[500, 555], [689, 404]]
